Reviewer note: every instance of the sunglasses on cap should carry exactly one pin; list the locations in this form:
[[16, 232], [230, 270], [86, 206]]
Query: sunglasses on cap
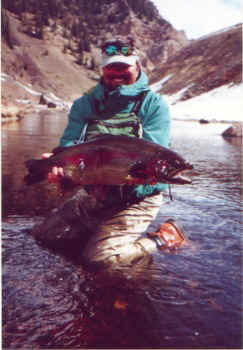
[[117, 47]]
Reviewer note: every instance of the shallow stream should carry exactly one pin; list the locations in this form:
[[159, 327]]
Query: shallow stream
[[191, 298]]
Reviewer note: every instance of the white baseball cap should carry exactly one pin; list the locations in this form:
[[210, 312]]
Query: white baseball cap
[[129, 60], [118, 57]]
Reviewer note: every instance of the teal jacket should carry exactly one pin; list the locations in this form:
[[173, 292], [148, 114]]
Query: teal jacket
[[154, 114]]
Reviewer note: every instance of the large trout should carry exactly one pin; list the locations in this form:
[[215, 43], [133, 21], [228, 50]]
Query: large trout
[[113, 160]]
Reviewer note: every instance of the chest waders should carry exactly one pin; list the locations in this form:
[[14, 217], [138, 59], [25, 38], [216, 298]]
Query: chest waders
[[128, 124]]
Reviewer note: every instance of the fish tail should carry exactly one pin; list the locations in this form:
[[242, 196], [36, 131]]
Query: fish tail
[[37, 169]]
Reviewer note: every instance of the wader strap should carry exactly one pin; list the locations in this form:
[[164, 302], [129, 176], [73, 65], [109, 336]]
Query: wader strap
[[111, 125], [82, 135], [139, 102]]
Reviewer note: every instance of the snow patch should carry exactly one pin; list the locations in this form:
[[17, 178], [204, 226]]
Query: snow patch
[[50, 97], [224, 103], [157, 86], [23, 101], [4, 75], [30, 91], [54, 97], [172, 99]]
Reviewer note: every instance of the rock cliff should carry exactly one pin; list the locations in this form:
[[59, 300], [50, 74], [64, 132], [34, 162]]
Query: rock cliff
[[54, 45], [205, 64]]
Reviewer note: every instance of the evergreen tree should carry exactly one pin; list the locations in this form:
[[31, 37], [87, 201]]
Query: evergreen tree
[[5, 28]]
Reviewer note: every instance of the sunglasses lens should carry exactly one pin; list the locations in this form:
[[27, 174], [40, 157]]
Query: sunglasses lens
[[125, 50], [111, 50]]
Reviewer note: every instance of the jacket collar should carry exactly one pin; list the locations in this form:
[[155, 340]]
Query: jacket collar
[[101, 92]]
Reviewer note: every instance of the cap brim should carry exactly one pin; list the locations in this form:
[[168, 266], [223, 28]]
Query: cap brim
[[129, 60]]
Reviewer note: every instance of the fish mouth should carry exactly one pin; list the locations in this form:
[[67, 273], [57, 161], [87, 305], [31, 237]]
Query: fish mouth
[[179, 177]]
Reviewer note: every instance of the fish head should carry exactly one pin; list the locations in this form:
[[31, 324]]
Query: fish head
[[169, 167]]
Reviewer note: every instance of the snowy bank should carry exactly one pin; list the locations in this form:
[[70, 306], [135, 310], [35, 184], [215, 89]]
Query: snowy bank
[[221, 104], [11, 83]]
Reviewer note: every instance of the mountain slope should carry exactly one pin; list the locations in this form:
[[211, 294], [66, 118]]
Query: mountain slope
[[203, 65], [54, 45], [61, 55]]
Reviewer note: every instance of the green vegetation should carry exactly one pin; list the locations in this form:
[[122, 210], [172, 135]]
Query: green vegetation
[[74, 15], [83, 23], [5, 29]]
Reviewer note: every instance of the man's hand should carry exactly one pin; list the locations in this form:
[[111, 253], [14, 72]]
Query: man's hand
[[55, 171]]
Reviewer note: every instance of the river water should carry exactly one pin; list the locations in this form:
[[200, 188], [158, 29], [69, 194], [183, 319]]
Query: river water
[[191, 298]]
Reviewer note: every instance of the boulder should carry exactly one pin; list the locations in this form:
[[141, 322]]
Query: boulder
[[13, 113], [203, 121], [234, 131], [46, 101], [51, 105], [43, 100]]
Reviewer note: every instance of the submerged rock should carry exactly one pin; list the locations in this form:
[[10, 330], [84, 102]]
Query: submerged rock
[[203, 121], [234, 131]]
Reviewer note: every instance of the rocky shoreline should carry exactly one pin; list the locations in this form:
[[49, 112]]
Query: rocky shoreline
[[12, 113]]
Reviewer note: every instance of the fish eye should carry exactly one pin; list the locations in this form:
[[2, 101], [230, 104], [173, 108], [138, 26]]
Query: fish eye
[[81, 164], [177, 163]]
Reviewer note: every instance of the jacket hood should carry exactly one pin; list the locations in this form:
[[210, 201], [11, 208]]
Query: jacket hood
[[134, 89], [120, 99]]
